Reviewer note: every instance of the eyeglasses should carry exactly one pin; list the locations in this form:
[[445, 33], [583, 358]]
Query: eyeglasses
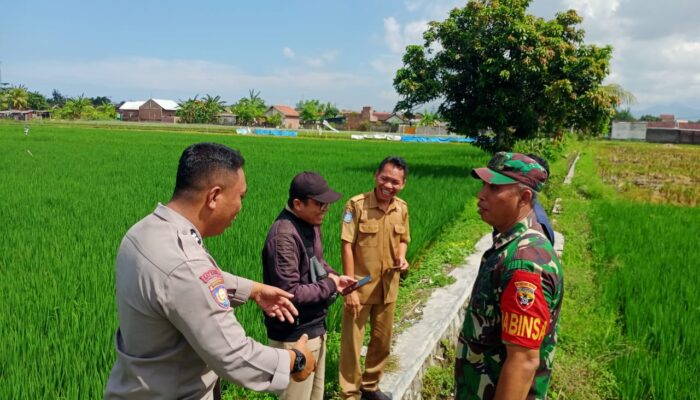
[[322, 206]]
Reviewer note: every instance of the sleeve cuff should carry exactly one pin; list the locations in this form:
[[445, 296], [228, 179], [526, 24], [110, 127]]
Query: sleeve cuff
[[239, 288], [280, 380]]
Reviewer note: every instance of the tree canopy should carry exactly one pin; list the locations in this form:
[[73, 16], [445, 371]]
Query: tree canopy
[[501, 74], [200, 111], [249, 110], [313, 110]]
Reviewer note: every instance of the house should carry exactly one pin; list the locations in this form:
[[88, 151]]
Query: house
[[226, 118], [290, 117], [151, 110], [25, 115]]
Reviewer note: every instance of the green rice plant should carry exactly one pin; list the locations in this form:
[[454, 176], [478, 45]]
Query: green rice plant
[[647, 257], [70, 193]]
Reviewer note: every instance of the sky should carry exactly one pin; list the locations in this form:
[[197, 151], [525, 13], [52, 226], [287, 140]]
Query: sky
[[345, 52]]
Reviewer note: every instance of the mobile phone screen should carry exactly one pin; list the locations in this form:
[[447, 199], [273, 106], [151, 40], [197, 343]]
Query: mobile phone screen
[[356, 285]]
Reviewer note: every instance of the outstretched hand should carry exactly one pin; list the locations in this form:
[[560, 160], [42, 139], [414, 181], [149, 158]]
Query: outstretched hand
[[342, 281], [274, 302]]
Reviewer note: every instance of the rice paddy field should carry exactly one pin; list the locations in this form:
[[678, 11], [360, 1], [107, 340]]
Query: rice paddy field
[[646, 243], [70, 193]]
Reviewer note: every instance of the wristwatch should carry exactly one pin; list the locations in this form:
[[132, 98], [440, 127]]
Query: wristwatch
[[299, 361]]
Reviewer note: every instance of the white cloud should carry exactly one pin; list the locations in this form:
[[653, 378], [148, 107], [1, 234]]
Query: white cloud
[[322, 60], [397, 38], [178, 76], [289, 53], [595, 8]]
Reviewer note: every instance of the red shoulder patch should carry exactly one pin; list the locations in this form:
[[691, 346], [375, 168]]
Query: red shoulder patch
[[524, 310], [210, 274]]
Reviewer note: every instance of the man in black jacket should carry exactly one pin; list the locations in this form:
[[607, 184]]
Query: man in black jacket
[[293, 261]]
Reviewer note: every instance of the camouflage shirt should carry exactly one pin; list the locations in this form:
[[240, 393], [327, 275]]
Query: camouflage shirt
[[516, 299]]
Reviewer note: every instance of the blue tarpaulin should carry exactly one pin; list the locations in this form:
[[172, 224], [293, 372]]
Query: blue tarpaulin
[[430, 139], [275, 132]]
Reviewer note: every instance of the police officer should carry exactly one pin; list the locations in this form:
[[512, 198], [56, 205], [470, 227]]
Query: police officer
[[506, 346], [375, 237], [178, 333]]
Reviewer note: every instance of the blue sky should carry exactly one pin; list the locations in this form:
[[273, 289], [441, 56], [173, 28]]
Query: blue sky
[[345, 52]]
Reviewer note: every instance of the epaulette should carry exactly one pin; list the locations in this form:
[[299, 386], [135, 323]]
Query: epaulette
[[357, 198]]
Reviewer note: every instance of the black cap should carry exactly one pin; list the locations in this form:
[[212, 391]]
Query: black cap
[[310, 185]]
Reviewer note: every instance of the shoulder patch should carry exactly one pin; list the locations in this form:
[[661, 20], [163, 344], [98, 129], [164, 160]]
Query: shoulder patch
[[525, 294], [210, 275], [347, 217], [215, 283]]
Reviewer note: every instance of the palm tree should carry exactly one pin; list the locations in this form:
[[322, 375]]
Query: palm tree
[[619, 94], [17, 97], [212, 106]]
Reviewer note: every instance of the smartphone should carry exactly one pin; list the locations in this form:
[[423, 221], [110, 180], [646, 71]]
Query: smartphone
[[356, 285]]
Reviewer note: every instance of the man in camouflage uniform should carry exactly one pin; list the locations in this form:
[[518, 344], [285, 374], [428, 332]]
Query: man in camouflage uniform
[[506, 347]]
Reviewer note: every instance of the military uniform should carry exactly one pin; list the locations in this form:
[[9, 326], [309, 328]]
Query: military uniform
[[178, 332], [375, 236], [516, 299]]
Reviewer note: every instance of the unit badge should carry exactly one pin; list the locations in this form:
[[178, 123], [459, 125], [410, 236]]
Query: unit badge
[[525, 294], [220, 295], [215, 282], [347, 217]]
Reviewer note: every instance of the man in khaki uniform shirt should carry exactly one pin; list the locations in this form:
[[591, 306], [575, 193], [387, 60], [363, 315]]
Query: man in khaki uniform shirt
[[178, 332], [375, 235]]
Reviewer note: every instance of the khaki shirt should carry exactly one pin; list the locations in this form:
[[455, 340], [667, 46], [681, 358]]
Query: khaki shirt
[[375, 236], [178, 332]]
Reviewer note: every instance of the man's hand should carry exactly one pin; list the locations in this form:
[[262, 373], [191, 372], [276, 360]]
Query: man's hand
[[310, 361], [274, 302], [401, 263], [342, 281], [352, 303]]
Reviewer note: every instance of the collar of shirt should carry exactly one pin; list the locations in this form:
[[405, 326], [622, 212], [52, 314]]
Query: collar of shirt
[[183, 224], [530, 221], [374, 203], [305, 229]]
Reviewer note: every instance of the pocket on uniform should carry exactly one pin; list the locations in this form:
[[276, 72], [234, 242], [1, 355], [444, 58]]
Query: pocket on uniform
[[369, 234], [399, 229]]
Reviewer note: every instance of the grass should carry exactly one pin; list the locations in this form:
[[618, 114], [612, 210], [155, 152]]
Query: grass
[[609, 240], [70, 193]]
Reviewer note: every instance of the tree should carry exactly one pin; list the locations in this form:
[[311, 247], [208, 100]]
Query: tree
[[330, 111], [309, 111], [37, 101], [200, 111], [649, 118], [75, 108], [623, 114], [429, 119], [503, 75], [17, 98], [249, 110], [313, 110], [100, 100], [57, 99], [212, 107], [274, 120]]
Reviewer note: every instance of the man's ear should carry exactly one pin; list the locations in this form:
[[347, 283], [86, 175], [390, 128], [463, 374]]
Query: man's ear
[[212, 196], [296, 204], [525, 197]]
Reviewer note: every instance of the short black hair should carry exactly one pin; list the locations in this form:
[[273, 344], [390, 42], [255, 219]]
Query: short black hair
[[540, 161], [202, 160], [396, 161]]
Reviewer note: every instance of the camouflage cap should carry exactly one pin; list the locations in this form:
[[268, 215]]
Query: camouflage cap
[[507, 168]]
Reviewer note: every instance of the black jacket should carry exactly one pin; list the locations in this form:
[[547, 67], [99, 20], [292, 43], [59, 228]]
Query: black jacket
[[291, 248]]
